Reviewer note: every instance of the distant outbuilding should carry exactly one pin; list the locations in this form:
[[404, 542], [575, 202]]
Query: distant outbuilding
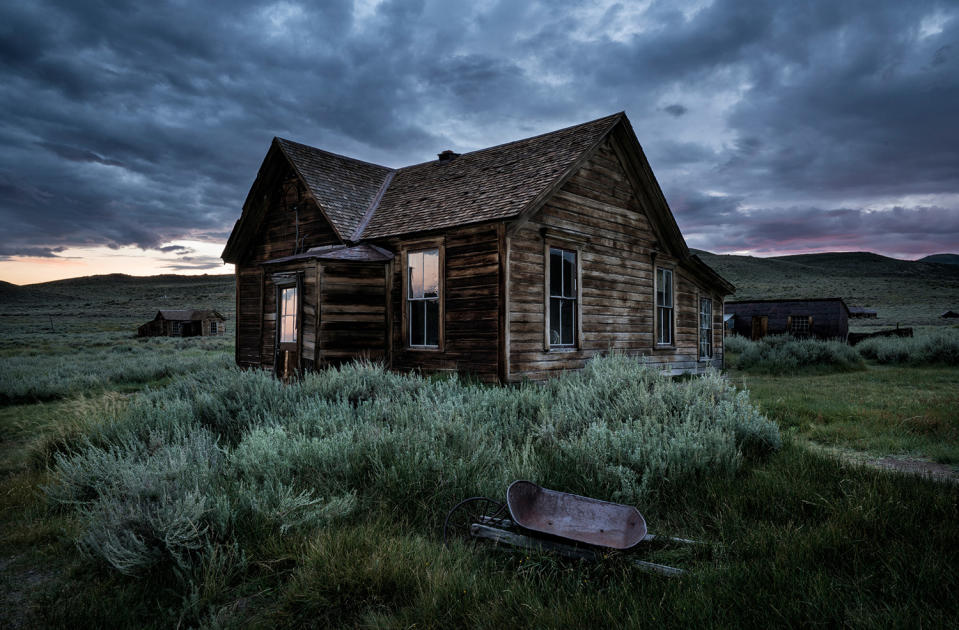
[[184, 323], [823, 318], [949, 315]]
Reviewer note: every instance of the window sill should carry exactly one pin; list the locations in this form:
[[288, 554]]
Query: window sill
[[423, 349], [561, 349], [664, 348]]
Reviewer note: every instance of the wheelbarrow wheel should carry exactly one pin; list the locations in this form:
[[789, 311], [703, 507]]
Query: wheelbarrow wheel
[[467, 512]]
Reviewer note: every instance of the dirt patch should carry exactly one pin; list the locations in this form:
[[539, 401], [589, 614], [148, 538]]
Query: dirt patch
[[908, 465], [941, 472]]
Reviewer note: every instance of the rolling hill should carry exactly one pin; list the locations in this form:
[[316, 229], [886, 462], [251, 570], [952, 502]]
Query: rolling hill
[[943, 259], [910, 293]]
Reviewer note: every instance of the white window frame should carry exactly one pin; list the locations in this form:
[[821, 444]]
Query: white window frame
[[281, 314], [412, 300], [665, 312], [213, 328], [574, 297], [705, 328], [177, 328]]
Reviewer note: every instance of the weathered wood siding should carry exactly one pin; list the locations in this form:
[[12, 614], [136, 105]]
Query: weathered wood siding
[[352, 322], [249, 315], [598, 214], [470, 327], [256, 294]]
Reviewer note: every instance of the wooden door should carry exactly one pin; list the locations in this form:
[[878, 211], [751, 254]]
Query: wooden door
[[760, 327], [288, 328]]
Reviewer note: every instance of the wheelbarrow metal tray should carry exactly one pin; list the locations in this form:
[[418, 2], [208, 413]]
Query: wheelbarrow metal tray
[[570, 516]]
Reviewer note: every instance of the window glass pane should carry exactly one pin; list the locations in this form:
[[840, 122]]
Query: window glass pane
[[432, 322], [417, 323], [660, 285], [568, 318], [555, 271], [668, 287], [288, 315], [569, 274], [431, 273], [415, 262], [554, 321]]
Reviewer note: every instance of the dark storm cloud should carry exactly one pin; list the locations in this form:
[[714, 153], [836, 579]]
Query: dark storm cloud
[[675, 109], [126, 123]]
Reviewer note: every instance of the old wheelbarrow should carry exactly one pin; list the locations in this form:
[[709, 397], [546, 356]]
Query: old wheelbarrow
[[570, 525]]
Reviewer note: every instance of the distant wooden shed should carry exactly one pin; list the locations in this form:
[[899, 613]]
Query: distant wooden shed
[[184, 323], [824, 318]]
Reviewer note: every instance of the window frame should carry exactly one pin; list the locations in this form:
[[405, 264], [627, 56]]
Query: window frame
[[176, 328], [791, 320], [417, 248], [576, 249], [281, 289], [657, 328], [213, 328], [706, 331]]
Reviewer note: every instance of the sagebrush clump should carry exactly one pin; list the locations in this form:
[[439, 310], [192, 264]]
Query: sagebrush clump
[[230, 457], [939, 347], [784, 354]]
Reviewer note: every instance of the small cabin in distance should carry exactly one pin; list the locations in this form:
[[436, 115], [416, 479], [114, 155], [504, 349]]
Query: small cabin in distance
[[824, 318], [184, 323]]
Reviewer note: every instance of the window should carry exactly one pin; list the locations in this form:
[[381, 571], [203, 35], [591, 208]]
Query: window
[[799, 325], [212, 328], [287, 314], [664, 306], [562, 297], [177, 328], [705, 328], [423, 298]]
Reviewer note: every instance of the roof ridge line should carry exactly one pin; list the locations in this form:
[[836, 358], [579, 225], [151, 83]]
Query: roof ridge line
[[339, 155], [518, 140], [368, 215]]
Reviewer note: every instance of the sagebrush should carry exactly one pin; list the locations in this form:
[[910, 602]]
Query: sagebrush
[[231, 457], [938, 347], [785, 354]]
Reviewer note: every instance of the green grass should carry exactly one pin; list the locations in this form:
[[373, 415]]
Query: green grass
[[800, 538], [883, 410]]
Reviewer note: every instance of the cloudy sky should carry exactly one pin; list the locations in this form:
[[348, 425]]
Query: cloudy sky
[[130, 132]]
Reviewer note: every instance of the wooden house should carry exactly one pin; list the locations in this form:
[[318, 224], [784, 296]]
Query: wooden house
[[824, 318], [513, 262], [184, 323]]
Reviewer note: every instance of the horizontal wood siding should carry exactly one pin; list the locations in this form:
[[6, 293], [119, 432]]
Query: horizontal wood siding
[[597, 213], [249, 288], [352, 312], [471, 324]]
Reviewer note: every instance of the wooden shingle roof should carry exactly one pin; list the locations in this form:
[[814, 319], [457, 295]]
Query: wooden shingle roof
[[343, 187], [494, 183]]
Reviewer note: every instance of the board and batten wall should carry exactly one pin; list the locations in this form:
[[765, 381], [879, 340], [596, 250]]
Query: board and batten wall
[[597, 214]]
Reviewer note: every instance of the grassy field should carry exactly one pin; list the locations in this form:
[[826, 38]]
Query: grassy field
[[320, 505]]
